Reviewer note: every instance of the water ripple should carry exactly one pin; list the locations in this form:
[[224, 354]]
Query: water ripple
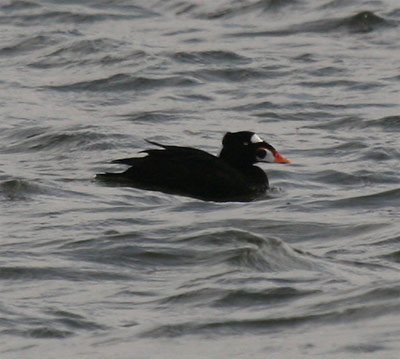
[[126, 82], [363, 22]]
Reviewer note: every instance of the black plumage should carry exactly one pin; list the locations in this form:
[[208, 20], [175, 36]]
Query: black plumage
[[188, 171]]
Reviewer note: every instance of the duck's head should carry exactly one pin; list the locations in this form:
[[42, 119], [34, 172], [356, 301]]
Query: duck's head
[[245, 148]]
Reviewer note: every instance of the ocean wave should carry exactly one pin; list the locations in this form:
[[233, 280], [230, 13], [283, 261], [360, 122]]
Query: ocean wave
[[28, 44], [126, 82], [54, 324], [240, 250], [209, 57], [25, 273], [18, 5], [393, 256], [99, 51], [86, 15], [387, 123], [85, 47], [18, 189], [383, 200], [39, 332], [362, 22], [230, 74], [152, 116], [356, 179], [34, 139], [342, 312], [232, 10]]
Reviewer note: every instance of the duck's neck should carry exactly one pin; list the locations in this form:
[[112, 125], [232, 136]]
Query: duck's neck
[[255, 175], [234, 159]]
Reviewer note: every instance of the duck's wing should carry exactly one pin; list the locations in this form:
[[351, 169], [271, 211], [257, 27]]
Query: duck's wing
[[173, 153]]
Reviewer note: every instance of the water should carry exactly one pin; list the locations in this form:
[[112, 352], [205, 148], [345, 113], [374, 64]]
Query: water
[[89, 270]]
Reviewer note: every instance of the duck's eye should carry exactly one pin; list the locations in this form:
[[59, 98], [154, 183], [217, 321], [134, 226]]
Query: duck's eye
[[261, 154]]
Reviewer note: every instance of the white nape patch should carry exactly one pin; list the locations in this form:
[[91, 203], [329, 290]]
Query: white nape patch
[[255, 139]]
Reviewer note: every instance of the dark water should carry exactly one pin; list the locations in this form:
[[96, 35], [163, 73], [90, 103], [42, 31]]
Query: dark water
[[93, 271]]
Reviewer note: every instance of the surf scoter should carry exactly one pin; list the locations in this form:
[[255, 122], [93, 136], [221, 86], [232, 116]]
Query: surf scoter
[[187, 171]]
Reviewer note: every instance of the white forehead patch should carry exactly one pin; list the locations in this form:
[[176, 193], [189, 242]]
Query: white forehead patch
[[255, 139]]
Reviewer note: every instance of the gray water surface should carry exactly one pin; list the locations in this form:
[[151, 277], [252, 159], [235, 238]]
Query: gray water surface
[[95, 271]]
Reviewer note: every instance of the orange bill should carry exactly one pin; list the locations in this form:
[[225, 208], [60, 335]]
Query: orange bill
[[280, 159]]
